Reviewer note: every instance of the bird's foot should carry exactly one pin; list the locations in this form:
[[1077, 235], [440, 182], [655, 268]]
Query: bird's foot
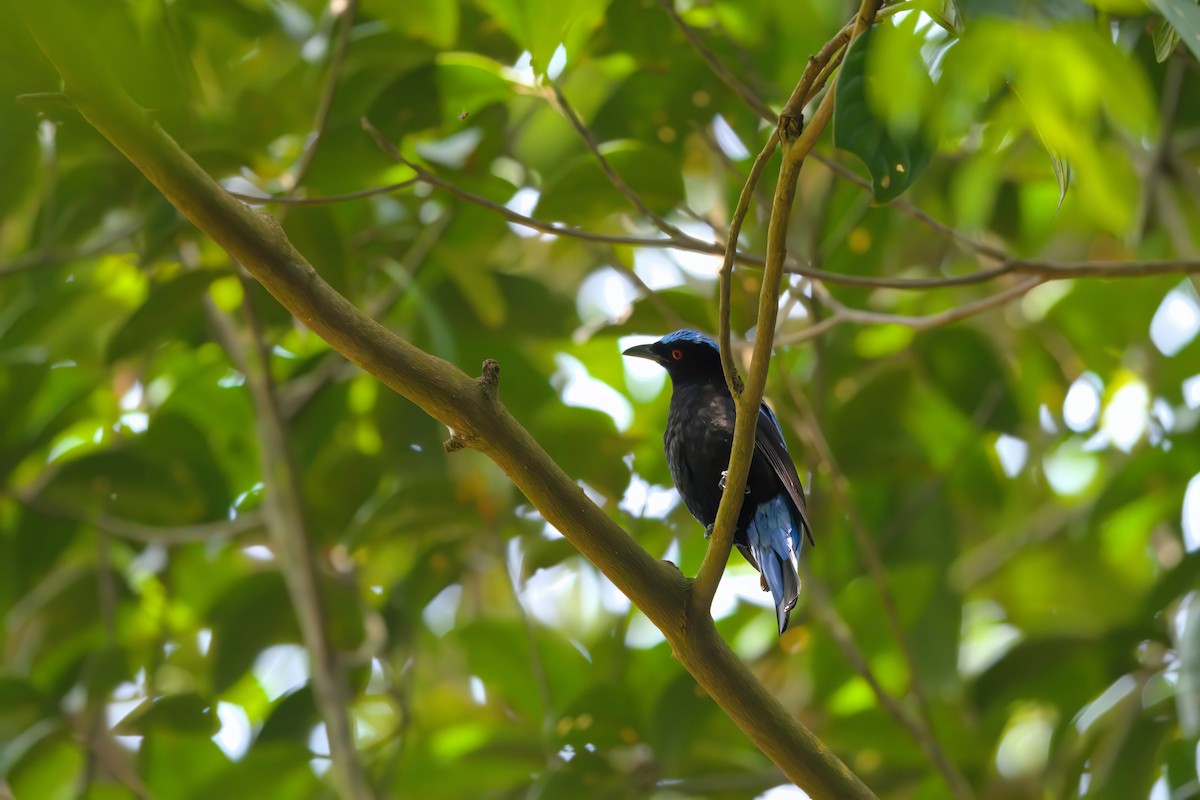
[[708, 529], [724, 476], [762, 581]]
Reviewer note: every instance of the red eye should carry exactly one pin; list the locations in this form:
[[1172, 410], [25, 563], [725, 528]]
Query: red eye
[[677, 354]]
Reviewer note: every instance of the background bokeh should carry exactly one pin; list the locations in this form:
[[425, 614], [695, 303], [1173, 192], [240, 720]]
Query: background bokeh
[[1027, 477]]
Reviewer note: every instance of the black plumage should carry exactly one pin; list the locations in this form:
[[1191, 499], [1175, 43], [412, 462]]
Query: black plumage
[[774, 519]]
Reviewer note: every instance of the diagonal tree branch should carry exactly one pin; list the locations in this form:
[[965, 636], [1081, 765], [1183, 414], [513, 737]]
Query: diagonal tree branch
[[719, 69], [560, 100], [470, 408]]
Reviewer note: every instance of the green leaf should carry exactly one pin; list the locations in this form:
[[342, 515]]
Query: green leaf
[[1184, 16], [600, 464], [470, 83], [955, 359], [279, 770], [540, 26], [21, 706], [1166, 39], [174, 764], [291, 720], [1181, 767], [894, 159], [254, 614], [1134, 767], [581, 194], [185, 713], [172, 308], [48, 771], [435, 23]]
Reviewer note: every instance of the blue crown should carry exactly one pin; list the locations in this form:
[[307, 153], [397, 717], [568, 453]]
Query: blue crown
[[689, 335]]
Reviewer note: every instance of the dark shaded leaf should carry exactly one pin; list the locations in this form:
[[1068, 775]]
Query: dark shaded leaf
[[183, 713], [1184, 16], [254, 614], [894, 160], [954, 359], [173, 308], [582, 195]]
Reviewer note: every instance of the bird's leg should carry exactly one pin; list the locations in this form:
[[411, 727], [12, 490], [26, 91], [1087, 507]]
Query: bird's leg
[[708, 529], [721, 483]]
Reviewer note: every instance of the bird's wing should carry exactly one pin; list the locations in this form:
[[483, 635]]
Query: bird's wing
[[768, 440]]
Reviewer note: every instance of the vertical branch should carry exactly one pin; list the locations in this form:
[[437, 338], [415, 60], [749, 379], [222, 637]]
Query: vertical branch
[[287, 525], [732, 379], [748, 402], [797, 142], [321, 119]]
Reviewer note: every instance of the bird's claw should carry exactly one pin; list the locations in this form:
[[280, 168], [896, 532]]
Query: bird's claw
[[708, 529], [724, 476]]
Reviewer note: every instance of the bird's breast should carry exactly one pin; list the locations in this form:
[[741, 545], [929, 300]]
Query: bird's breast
[[697, 441]]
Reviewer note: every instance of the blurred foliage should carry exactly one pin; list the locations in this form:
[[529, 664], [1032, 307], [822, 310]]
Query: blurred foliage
[[1028, 475]]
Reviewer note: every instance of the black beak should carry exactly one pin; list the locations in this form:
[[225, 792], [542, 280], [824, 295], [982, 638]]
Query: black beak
[[643, 351]]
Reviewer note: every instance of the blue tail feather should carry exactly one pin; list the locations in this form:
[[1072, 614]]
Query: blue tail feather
[[774, 536]]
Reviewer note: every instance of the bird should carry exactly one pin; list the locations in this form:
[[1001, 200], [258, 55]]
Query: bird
[[773, 522]]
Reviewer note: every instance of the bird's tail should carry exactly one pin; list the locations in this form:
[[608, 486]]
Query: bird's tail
[[775, 536]]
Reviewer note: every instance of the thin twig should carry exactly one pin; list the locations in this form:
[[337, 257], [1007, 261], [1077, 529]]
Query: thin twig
[[746, 420], [730, 165], [720, 70], [796, 143], [613, 176], [842, 314], [40, 258], [255, 200], [732, 379], [321, 119], [1050, 270], [146, 534], [804, 90]]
